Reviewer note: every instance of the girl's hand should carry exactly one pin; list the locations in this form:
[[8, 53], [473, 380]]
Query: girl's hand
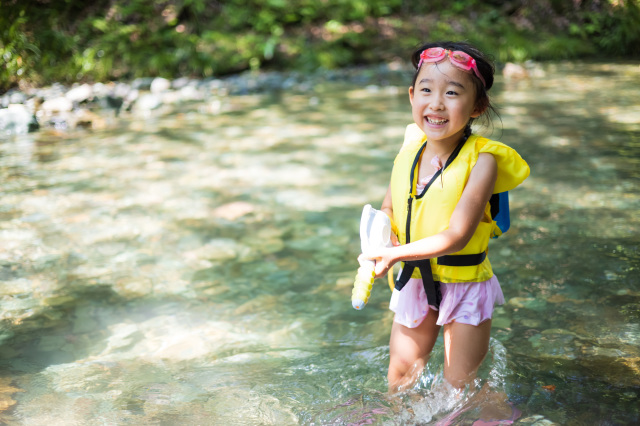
[[384, 260]]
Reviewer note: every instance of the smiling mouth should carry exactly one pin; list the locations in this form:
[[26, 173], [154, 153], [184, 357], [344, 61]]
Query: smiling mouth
[[436, 121]]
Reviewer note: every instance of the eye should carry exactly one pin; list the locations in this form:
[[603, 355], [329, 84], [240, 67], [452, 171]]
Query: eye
[[426, 90], [452, 92]]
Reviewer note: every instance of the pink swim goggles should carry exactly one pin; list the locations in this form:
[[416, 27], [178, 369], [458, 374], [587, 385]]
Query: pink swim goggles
[[460, 59]]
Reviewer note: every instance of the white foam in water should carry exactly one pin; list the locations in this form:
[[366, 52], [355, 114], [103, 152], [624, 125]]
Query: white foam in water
[[433, 398]]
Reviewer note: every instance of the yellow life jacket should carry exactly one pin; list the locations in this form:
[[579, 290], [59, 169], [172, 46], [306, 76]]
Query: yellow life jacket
[[431, 211]]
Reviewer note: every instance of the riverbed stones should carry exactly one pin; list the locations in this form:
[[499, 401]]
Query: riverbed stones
[[16, 119], [56, 105], [81, 93], [536, 420], [220, 249], [532, 303], [233, 211], [143, 83], [6, 392], [146, 95], [6, 331], [147, 102], [159, 85], [133, 287]]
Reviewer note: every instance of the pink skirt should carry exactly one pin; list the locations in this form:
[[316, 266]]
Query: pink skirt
[[468, 303]]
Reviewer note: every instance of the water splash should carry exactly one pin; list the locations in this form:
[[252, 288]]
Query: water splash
[[431, 399]]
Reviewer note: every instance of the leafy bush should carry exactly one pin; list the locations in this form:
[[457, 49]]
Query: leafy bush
[[42, 41]]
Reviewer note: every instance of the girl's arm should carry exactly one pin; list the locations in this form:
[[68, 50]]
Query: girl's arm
[[387, 207], [462, 225]]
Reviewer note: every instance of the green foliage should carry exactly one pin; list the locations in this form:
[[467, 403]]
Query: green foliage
[[618, 31], [70, 40]]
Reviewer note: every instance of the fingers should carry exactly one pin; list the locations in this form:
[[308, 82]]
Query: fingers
[[381, 267], [369, 255], [381, 270], [382, 258]]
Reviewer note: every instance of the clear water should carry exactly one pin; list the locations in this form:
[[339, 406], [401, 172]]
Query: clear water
[[194, 265]]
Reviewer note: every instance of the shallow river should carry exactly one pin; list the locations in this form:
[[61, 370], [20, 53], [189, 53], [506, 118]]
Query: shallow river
[[195, 265]]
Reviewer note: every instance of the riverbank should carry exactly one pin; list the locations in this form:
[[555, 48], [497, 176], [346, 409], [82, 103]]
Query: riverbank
[[61, 107], [65, 108]]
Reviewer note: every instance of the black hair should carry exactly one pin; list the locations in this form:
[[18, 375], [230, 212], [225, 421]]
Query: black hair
[[485, 66]]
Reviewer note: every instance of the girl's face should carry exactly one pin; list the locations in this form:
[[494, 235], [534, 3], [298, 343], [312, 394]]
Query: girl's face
[[442, 101]]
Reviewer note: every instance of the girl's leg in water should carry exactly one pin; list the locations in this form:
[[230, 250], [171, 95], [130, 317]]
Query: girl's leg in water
[[409, 350], [465, 346]]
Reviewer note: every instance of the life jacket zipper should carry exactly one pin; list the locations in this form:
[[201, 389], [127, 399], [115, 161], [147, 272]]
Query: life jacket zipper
[[408, 227]]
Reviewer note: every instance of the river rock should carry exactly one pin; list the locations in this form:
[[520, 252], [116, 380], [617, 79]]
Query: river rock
[[142, 83], [5, 332], [51, 343], [220, 249], [15, 287], [514, 71], [180, 82], [110, 102], [234, 211], [56, 105], [6, 390], [191, 93], [122, 336], [147, 102], [555, 345], [536, 420], [133, 287], [80, 94], [61, 122], [159, 85], [88, 119], [17, 98], [17, 120], [501, 322], [121, 90], [533, 303]]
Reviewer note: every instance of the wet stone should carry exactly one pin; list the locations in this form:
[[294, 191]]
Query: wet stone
[[269, 246], [501, 322], [51, 343], [532, 303], [220, 250], [16, 307], [84, 321], [133, 287], [5, 332], [554, 346], [536, 420], [46, 262], [15, 287], [234, 211], [58, 300]]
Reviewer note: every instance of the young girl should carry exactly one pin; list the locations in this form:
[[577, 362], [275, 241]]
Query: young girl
[[438, 201]]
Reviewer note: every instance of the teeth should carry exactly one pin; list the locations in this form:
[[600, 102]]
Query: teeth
[[432, 121]]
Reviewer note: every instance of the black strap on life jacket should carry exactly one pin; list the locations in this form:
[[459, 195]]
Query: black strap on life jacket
[[431, 287], [494, 203]]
